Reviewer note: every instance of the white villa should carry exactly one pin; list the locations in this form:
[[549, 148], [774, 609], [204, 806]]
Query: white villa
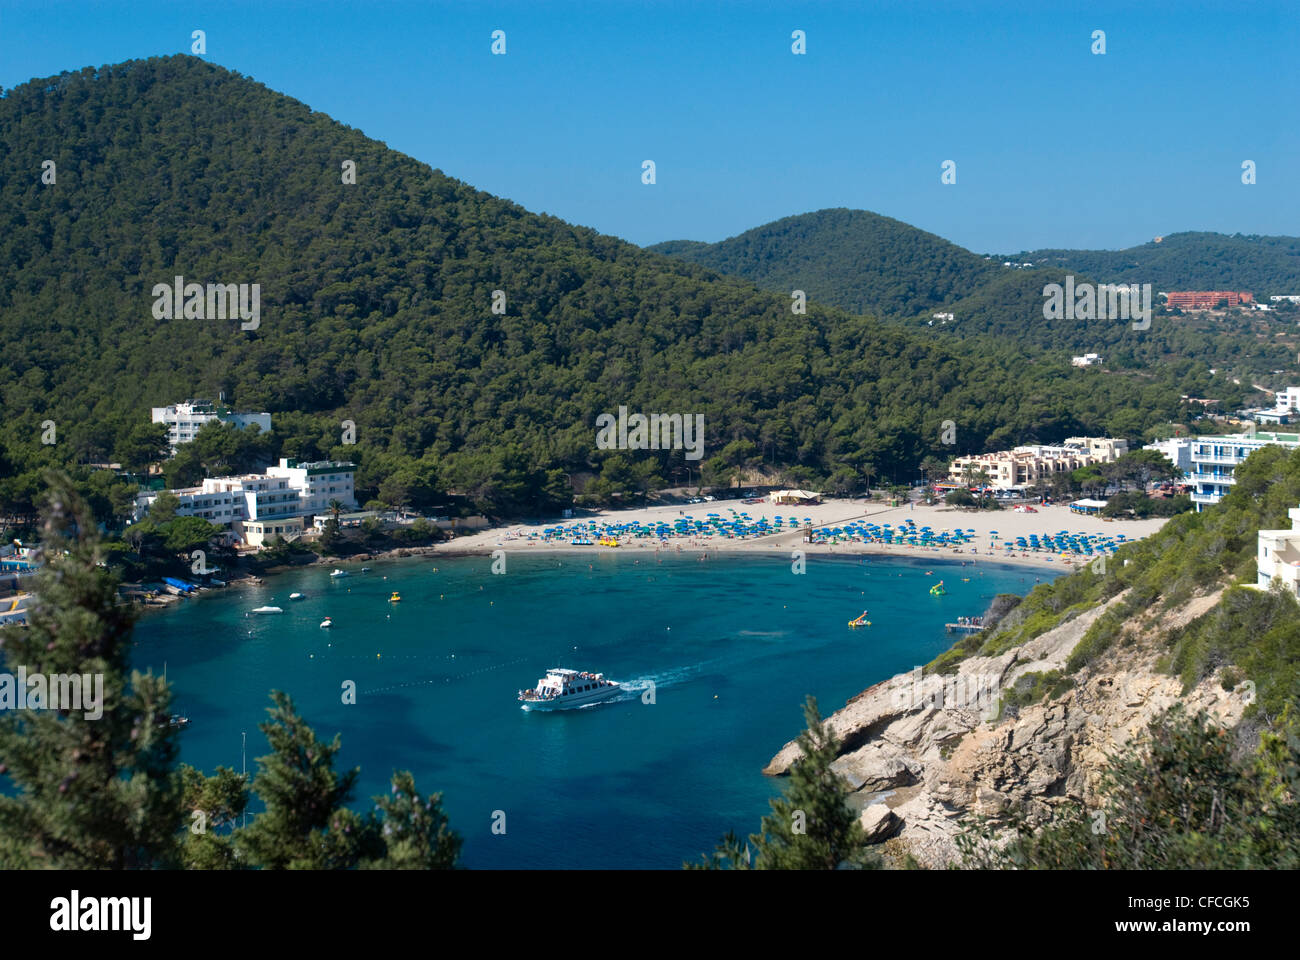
[[1279, 556]]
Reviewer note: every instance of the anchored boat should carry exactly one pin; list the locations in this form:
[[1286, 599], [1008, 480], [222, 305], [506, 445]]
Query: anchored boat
[[563, 689]]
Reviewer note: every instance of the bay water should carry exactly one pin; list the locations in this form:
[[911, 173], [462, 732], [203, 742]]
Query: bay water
[[730, 645]]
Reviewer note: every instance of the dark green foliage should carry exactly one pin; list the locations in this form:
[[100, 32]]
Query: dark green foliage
[[415, 830], [1188, 261], [853, 259], [811, 826], [89, 792], [376, 308], [1256, 631], [1182, 800], [1030, 688], [1140, 506], [868, 264], [213, 805], [100, 789], [305, 825]]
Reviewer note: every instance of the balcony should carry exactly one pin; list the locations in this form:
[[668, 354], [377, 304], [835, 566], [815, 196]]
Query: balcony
[[1206, 497], [1226, 479]]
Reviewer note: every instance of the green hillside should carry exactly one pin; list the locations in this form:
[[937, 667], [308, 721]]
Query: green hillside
[[1189, 261], [853, 259], [865, 263], [376, 307]]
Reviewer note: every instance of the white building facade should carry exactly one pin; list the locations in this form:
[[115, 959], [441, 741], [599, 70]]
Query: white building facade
[[185, 419], [1177, 450], [1215, 460], [258, 507], [1279, 556], [318, 483]]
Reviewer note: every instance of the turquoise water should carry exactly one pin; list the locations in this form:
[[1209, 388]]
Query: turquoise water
[[732, 645]]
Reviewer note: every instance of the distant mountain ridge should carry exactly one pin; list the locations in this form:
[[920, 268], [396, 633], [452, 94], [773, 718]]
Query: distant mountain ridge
[[854, 259], [869, 264], [1263, 265], [379, 307]]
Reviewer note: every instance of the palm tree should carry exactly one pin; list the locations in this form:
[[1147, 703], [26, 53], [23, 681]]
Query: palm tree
[[336, 507]]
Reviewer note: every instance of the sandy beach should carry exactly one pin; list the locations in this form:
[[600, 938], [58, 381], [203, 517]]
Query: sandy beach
[[1006, 523]]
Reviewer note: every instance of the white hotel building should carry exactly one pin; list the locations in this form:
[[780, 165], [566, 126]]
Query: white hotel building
[[259, 507], [1215, 460], [185, 419]]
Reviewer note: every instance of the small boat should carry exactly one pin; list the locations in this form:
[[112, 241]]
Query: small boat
[[860, 621], [365, 569], [326, 623], [268, 610], [395, 598], [564, 689], [295, 596], [176, 720], [337, 572]]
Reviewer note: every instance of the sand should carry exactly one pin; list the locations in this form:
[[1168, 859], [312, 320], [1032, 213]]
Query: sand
[[1008, 524]]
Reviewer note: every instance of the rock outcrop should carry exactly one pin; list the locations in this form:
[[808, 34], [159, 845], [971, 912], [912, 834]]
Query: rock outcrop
[[926, 755]]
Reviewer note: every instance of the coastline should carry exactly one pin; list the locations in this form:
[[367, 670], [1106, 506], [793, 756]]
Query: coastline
[[989, 530]]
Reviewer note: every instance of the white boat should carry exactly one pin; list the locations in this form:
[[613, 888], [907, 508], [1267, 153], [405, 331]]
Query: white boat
[[326, 623], [564, 689], [268, 610], [336, 572], [295, 596]]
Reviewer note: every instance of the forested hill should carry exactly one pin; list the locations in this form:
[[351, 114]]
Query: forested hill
[[1189, 261], [853, 259], [376, 307]]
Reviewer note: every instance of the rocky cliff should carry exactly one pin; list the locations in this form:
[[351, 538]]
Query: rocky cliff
[[926, 754]]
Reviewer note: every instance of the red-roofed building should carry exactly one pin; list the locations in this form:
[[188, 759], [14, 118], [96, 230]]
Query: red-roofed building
[[1206, 299]]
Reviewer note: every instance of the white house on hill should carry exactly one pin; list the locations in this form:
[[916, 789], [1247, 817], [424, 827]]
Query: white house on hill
[[1279, 556]]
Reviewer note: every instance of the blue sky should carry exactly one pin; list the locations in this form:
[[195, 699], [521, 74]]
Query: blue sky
[[1054, 145]]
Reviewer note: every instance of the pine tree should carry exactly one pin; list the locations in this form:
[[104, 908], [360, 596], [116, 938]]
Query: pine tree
[[213, 805], [306, 825], [811, 826], [90, 792], [415, 831]]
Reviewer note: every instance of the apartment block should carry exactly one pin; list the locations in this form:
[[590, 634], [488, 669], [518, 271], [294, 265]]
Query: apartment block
[[185, 419], [1215, 460]]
